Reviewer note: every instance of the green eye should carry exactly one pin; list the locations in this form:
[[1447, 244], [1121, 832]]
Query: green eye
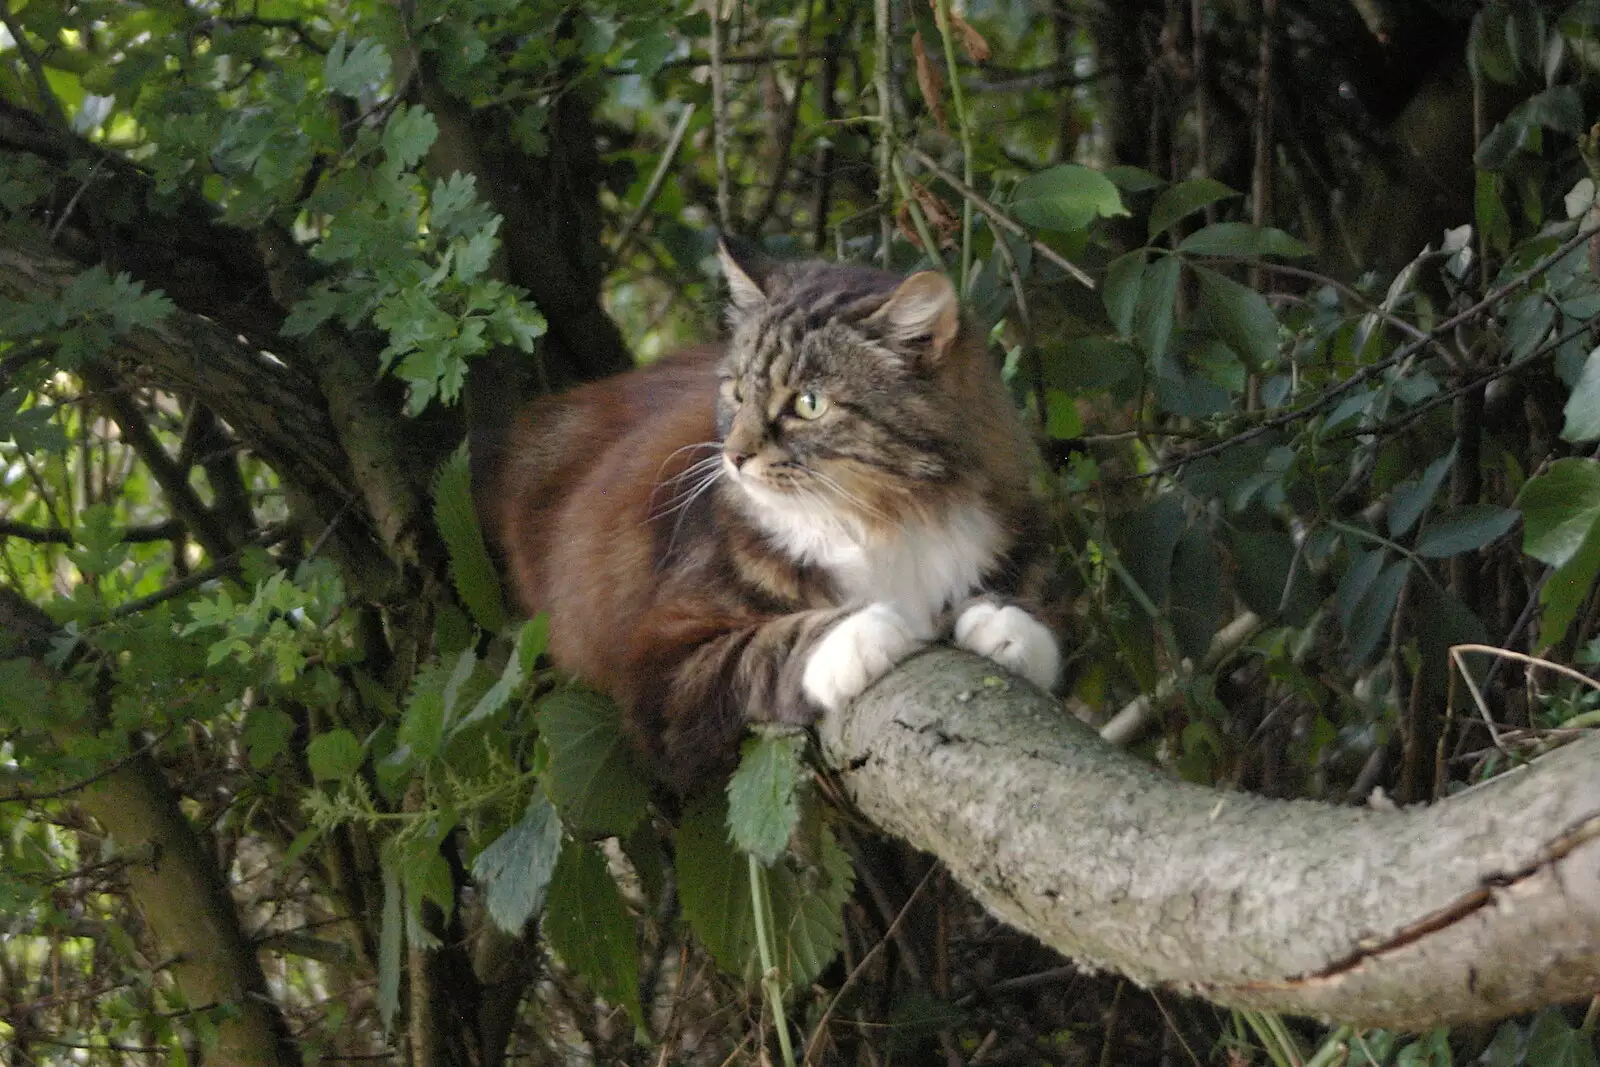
[[809, 405]]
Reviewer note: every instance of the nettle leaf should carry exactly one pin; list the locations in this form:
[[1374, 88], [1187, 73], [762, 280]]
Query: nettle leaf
[[515, 869], [1410, 499], [592, 776], [1185, 198], [1559, 509], [1239, 315], [1465, 529], [334, 756], [714, 885], [590, 928], [1066, 197], [763, 794], [363, 66], [1157, 299], [470, 567], [1120, 290]]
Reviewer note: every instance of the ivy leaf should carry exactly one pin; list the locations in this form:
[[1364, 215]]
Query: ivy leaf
[[334, 756], [470, 568], [589, 927], [1464, 530], [592, 776], [515, 869], [363, 66], [763, 795], [1183, 199], [1239, 315], [1158, 297], [1559, 509], [1066, 198]]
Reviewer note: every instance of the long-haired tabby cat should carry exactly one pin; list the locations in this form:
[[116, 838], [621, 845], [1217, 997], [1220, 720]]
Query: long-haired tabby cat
[[760, 530]]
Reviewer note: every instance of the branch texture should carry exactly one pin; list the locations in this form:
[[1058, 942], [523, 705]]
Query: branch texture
[[1475, 908]]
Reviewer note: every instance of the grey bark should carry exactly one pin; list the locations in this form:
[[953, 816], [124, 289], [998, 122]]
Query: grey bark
[[1478, 907]]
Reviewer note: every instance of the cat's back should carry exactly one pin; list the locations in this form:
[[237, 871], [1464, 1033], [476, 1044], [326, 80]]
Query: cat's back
[[582, 475]]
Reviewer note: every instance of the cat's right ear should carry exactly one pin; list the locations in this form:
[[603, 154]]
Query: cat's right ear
[[746, 269]]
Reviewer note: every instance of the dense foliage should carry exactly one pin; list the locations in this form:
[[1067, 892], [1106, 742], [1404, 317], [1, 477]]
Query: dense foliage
[[1299, 295]]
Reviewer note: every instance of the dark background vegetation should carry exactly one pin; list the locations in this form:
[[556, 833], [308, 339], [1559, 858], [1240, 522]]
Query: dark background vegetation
[[278, 779]]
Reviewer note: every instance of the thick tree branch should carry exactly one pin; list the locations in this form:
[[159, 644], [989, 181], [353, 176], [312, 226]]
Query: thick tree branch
[[1478, 907]]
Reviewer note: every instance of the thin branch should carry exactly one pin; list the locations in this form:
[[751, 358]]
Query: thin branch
[[56, 535], [787, 129], [41, 83], [998, 217], [84, 783], [719, 119], [657, 179]]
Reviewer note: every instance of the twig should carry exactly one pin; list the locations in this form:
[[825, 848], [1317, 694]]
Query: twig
[[84, 783], [41, 83], [941, 15], [58, 535], [786, 129], [880, 81], [821, 1029], [719, 119], [657, 180], [998, 217]]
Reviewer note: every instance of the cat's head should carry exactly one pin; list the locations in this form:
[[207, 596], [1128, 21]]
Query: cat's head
[[847, 394]]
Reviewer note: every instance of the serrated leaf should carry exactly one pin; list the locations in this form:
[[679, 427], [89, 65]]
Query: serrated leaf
[[1183, 199], [422, 724], [1066, 198], [1464, 529], [1559, 509], [530, 645], [470, 567], [1239, 315], [362, 67], [713, 885], [408, 136], [515, 869], [334, 756], [589, 927], [1157, 300], [763, 795], [1120, 291], [592, 776], [266, 734], [1410, 499]]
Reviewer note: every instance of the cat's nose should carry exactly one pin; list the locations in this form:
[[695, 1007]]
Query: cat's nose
[[738, 459]]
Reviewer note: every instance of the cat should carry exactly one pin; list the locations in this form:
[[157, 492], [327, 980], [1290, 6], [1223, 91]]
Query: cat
[[760, 530]]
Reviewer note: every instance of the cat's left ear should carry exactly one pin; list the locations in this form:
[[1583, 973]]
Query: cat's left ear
[[747, 270], [924, 310]]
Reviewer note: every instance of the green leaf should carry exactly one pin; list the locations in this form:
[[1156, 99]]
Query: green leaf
[[516, 868], [1145, 540], [1239, 315], [1196, 592], [266, 735], [1120, 290], [1066, 197], [360, 69], [1158, 297], [1369, 621], [530, 645], [1410, 499], [470, 567], [1133, 179], [1567, 588], [713, 885], [1583, 406], [1554, 1042], [592, 775], [1464, 530], [408, 136], [590, 928], [334, 756], [763, 795], [1559, 509], [1365, 566], [389, 945], [1088, 364], [1182, 199], [1242, 239], [1269, 577], [422, 725]]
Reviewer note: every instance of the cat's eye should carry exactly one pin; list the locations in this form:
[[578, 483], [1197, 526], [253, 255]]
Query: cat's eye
[[810, 405]]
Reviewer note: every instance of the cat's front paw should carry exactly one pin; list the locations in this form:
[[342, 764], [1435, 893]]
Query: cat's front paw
[[855, 653], [1012, 638]]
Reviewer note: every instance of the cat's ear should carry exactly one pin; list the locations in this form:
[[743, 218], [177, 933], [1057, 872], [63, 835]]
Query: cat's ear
[[924, 310], [747, 271]]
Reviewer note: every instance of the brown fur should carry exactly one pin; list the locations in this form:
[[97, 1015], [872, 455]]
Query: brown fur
[[685, 610]]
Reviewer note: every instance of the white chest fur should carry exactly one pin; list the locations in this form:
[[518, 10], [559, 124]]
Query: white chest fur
[[920, 568]]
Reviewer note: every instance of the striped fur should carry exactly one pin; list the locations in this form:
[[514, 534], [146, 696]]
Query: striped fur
[[709, 556]]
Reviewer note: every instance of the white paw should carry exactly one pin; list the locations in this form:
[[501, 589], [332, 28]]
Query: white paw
[[1012, 638], [855, 653]]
